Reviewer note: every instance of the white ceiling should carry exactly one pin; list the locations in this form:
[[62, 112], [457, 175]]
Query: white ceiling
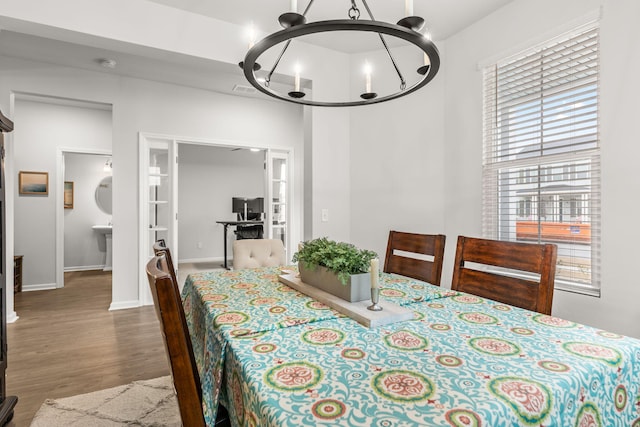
[[443, 17]]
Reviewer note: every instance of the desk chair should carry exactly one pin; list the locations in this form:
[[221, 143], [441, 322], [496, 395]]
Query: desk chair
[[254, 231], [175, 334], [415, 244], [530, 294], [249, 231], [253, 253]]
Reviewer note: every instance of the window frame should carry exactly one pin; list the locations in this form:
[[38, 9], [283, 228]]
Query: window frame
[[567, 161]]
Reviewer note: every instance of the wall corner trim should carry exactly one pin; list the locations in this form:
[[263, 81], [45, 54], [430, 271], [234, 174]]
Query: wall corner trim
[[123, 305]]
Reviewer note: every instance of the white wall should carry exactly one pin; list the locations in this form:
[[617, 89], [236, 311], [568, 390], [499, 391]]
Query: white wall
[[330, 154], [174, 110], [138, 106], [335, 180], [396, 156], [416, 163], [208, 177], [84, 248], [40, 130], [517, 25], [144, 106], [98, 23]]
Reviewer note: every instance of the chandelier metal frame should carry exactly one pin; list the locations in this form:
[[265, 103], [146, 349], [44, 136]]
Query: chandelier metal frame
[[295, 26]]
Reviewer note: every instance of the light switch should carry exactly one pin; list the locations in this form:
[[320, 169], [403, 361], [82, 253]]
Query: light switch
[[325, 215]]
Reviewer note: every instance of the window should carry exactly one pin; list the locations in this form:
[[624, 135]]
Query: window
[[541, 165]]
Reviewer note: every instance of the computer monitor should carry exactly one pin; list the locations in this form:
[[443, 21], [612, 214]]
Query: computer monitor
[[248, 209]]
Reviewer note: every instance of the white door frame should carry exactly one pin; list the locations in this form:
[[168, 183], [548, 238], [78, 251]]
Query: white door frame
[[270, 154], [295, 233], [59, 183], [145, 142]]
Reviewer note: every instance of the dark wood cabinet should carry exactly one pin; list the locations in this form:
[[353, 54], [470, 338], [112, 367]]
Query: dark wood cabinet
[[17, 273], [7, 403]]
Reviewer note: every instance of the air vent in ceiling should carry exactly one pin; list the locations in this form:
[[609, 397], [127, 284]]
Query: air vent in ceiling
[[244, 89]]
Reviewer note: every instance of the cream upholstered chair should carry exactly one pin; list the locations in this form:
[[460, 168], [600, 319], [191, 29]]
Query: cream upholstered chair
[[253, 253]]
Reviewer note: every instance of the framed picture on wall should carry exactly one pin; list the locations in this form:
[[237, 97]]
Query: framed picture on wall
[[36, 183], [68, 194]]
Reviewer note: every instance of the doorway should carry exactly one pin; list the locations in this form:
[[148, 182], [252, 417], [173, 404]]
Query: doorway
[[197, 198], [209, 179], [85, 229]]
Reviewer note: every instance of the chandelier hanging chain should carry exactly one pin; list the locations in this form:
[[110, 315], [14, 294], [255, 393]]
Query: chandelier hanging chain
[[284, 49], [354, 12], [403, 83]]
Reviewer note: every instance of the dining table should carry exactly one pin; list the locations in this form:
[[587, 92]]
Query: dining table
[[276, 357]]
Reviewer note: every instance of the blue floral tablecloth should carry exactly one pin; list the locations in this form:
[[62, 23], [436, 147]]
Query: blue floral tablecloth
[[223, 306], [462, 361]]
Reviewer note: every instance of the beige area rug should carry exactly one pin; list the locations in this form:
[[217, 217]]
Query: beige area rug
[[149, 403]]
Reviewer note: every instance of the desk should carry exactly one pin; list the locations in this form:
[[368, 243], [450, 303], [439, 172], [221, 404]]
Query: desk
[[290, 361], [226, 226]]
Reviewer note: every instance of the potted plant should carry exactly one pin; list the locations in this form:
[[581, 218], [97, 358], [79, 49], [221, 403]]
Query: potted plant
[[336, 267]]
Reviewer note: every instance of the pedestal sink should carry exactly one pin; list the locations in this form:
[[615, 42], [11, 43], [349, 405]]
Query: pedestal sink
[[106, 231]]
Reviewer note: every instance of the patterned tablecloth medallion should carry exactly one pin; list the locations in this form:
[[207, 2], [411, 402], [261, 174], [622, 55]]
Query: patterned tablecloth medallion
[[461, 361]]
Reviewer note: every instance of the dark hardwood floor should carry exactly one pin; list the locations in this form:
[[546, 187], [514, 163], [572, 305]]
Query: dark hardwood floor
[[66, 342]]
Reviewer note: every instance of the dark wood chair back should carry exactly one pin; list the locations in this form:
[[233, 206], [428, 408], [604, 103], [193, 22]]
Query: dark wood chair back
[[418, 244], [175, 332], [159, 248], [534, 295]]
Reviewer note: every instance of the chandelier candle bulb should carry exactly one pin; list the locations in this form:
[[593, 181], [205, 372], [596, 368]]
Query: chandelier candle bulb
[[252, 35], [367, 78], [375, 263], [296, 80], [408, 7], [294, 6]]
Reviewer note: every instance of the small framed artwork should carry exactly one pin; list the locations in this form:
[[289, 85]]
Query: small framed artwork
[[36, 183], [68, 194]]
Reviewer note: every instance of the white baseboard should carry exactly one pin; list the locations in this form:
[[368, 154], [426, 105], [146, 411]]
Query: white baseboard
[[123, 305], [39, 287], [12, 317], [199, 260], [84, 268]]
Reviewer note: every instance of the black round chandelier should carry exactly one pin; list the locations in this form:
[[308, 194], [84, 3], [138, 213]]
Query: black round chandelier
[[295, 25]]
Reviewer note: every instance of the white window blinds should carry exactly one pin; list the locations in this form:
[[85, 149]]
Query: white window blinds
[[541, 165]]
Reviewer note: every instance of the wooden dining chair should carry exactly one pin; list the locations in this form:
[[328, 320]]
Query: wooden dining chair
[[540, 259], [159, 248], [254, 253], [175, 333], [410, 261]]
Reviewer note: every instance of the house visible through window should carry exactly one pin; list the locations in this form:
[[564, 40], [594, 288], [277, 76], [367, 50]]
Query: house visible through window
[[541, 166]]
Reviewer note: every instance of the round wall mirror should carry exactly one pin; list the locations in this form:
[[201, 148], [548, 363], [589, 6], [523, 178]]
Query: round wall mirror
[[103, 195]]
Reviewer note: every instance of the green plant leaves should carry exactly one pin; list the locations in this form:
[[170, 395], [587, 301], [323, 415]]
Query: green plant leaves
[[344, 259]]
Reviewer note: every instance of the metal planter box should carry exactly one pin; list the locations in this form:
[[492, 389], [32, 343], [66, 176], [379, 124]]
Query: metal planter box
[[358, 288]]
